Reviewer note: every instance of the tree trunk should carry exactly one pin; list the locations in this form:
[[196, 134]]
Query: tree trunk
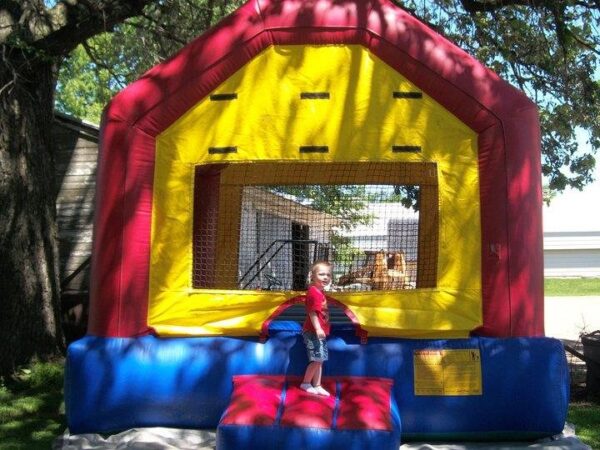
[[29, 279]]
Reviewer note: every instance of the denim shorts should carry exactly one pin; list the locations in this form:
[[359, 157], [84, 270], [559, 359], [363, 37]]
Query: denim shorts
[[316, 348]]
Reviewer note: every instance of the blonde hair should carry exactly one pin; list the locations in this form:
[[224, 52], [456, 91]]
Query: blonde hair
[[315, 265]]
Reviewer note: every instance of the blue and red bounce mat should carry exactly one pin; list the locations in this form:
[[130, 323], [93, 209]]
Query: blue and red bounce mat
[[383, 391]]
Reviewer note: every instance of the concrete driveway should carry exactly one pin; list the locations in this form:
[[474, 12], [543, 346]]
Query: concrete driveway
[[567, 317]]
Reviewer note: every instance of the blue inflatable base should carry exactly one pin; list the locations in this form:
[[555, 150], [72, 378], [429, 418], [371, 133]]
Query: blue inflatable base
[[114, 384], [278, 438]]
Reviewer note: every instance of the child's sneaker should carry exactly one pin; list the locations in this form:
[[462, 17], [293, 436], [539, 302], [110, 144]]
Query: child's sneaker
[[320, 391], [308, 388]]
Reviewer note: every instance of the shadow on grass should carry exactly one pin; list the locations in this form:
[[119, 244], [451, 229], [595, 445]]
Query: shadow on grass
[[32, 408]]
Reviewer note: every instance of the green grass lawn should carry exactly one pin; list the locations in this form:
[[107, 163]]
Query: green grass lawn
[[32, 411], [559, 287], [586, 418], [32, 408]]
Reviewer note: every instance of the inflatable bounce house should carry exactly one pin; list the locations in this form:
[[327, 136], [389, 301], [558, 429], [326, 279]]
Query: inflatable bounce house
[[223, 175]]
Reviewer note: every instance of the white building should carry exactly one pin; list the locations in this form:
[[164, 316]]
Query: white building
[[279, 239], [572, 234], [393, 228]]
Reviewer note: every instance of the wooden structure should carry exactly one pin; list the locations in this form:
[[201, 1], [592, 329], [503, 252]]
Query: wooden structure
[[75, 145], [380, 272]]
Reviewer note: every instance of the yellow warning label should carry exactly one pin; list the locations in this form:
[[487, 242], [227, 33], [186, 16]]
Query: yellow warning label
[[447, 372]]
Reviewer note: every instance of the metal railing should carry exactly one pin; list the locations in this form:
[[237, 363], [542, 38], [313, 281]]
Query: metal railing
[[282, 243]]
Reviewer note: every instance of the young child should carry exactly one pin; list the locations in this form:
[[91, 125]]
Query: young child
[[316, 327]]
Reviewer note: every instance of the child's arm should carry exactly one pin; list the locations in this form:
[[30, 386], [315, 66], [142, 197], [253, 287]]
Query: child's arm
[[312, 315]]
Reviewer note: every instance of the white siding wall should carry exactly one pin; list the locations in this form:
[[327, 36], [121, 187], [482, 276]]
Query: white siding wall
[[271, 228], [572, 254], [248, 245], [260, 228], [258, 231], [572, 263]]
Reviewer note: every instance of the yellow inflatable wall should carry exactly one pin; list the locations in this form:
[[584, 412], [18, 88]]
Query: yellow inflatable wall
[[360, 123]]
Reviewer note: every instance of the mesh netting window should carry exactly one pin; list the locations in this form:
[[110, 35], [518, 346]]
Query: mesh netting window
[[364, 231], [250, 235]]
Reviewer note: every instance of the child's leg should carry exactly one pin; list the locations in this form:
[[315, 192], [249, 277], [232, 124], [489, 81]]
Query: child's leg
[[312, 379], [316, 379], [317, 352], [312, 370], [316, 382]]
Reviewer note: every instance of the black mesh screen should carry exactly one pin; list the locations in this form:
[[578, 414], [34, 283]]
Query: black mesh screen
[[363, 230], [261, 226]]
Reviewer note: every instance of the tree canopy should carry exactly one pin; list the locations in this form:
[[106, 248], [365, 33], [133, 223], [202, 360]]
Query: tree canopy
[[103, 65], [548, 49]]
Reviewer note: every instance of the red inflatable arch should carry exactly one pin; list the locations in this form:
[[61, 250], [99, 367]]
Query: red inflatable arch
[[506, 123]]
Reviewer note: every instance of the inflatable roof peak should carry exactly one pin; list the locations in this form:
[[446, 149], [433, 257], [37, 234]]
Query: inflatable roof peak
[[378, 25]]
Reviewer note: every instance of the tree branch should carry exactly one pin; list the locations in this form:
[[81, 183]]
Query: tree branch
[[101, 65], [590, 46], [10, 12], [158, 30], [475, 6], [81, 19]]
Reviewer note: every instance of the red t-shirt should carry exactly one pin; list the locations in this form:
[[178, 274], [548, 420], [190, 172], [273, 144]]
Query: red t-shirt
[[316, 301]]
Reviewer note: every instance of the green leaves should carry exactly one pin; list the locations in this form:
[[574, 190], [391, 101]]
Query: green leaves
[[103, 65], [549, 49], [347, 202]]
